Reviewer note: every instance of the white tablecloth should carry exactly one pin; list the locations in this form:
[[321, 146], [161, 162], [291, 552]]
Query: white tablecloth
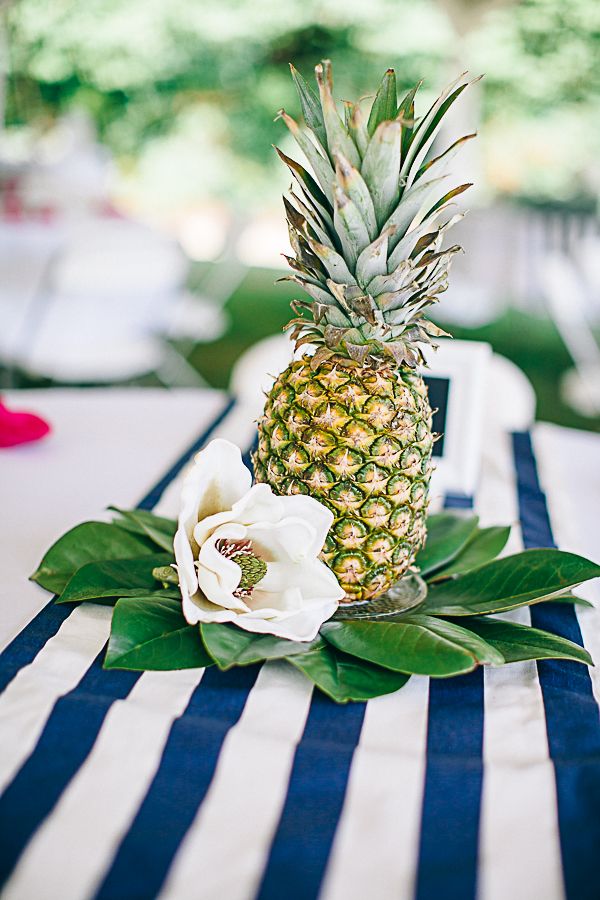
[[110, 447]]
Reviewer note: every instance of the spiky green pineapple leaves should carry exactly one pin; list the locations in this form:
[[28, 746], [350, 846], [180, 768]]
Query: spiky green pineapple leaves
[[370, 177]]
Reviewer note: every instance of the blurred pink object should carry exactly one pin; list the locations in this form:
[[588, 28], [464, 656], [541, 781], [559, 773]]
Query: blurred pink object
[[20, 427]]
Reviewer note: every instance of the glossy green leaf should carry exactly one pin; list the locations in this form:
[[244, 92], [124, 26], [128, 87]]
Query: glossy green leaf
[[160, 530], [311, 108], [518, 642], [113, 578], [384, 104], [573, 599], [447, 535], [414, 644], [507, 583], [88, 542], [484, 545], [230, 646], [150, 633], [344, 678]]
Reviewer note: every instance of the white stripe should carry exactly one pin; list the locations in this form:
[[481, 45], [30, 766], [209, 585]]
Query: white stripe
[[83, 832], [376, 845], [519, 847], [569, 474], [226, 848], [60, 665], [238, 427], [127, 447], [29, 698]]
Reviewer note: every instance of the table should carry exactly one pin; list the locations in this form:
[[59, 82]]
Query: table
[[235, 785]]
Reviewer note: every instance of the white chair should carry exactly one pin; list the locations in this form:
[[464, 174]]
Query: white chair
[[106, 299], [511, 405], [567, 303]]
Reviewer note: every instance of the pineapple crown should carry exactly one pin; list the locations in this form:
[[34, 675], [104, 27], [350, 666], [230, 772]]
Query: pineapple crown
[[367, 229]]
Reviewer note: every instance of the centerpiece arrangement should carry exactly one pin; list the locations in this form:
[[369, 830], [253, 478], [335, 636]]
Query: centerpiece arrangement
[[330, 561]]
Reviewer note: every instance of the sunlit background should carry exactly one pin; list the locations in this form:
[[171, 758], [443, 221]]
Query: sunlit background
[[141, 217]]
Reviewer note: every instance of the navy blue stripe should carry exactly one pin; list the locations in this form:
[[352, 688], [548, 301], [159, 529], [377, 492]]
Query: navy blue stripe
[[452, 795], [572, 720], [74, 723], [314, 801], [66, 741], [458, 501], [247, 457], [447, 864], [179, 786], [153, 496], [27, 644]]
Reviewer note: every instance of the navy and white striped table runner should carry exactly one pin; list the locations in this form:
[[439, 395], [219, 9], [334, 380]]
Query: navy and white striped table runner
[[246, 784]]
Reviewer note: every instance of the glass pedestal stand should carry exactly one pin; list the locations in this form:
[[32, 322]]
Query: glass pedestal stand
[[406, 594]]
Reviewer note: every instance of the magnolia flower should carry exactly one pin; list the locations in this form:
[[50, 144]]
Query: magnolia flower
[[247, 556]]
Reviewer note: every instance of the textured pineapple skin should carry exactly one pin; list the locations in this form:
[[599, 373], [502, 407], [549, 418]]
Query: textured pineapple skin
[[360, 442]]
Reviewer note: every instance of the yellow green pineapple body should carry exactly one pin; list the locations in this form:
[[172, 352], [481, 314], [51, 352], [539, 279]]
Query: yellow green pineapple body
[[359, 441], [350, 423]]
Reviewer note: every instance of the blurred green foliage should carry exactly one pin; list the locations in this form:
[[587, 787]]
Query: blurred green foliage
[[161, 76]]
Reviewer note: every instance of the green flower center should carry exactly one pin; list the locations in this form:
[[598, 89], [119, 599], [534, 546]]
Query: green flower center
[[253, 567]]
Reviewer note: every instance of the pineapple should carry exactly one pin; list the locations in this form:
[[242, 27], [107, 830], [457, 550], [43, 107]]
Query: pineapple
[[350, 424]]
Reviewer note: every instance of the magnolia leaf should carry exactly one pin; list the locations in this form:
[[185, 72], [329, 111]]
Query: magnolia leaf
[[231, 646], [384, 104], [518, 642], [447, 535], [311, 108], [484, 545], [160, 530], [519, 580], [573, 599], [150, 633], [88, 542], [413, 644], [113, 578], [344, 678]]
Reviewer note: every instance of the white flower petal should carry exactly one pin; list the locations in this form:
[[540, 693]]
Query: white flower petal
[[216, 481], [260, 504], [186, 569], [198, 609], [289, 539], [307, 508], [302, 625]]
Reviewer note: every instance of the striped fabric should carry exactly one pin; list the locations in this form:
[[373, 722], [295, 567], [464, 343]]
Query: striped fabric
[[246, 784]]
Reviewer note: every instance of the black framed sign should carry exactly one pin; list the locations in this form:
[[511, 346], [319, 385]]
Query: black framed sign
[[456, 378]]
